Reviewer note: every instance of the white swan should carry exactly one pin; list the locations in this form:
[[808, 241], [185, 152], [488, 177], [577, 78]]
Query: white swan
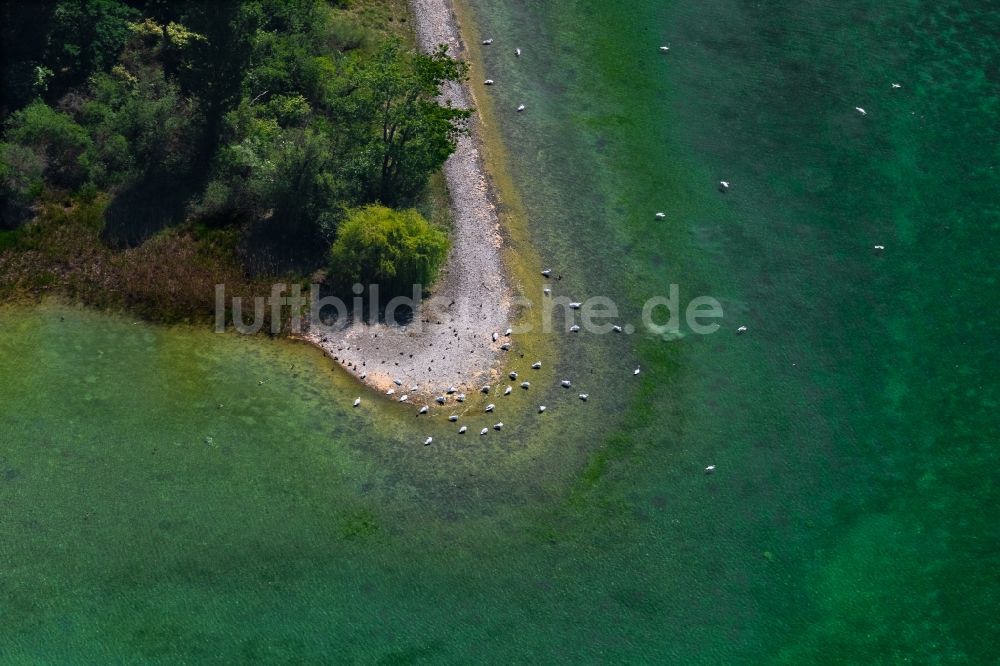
[[741, 329], [710, 469], [664, 49], [541, 408], [517, 52], [636, 371], [520, 108], [660, 216], [861, 111], [428, 441], [357, 401]]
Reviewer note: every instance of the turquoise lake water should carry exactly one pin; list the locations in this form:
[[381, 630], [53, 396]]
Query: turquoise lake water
[[171, 495]]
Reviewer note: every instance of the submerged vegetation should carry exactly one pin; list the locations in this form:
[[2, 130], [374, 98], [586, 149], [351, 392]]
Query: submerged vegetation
[[150, 148]]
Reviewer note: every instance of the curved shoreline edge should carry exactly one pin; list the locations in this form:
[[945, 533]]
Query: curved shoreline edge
[[450, 343]]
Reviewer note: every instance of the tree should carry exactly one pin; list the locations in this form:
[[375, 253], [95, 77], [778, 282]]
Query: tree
[[402, 134], [58, 143], [87, 36], [394, 248]]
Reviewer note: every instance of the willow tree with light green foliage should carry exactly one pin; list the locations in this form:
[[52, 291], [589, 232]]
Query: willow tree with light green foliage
[[393, 248]]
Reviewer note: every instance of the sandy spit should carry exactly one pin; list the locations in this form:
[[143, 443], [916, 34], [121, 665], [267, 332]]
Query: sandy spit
[[451, 342]]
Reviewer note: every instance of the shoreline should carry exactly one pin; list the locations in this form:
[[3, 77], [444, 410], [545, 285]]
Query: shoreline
[[452, 345]]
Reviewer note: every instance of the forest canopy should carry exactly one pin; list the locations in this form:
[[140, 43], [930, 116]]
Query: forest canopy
[[273, 118]]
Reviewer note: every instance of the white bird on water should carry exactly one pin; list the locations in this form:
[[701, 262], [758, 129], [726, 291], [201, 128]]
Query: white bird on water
[[664, 49], [498, 426], [636, 371], [710, 469], [723, 185], [483, 431], [616, 328], [861, 111], [485, 389], [513, 375], [896, 85], [547, 272], [584, 396], [741, 330], [574, 329], [403, 398], [525, 385], [565, 383], [423, 410], [517, 52], [520, 108], [660, 216], [536, 365], [489, 407], [546, 291], [879, 248], [488, 82], [357, 401], [461, 431], [507, 390], [428, 441], [541, 408], [453, 417], [575, 306], [487, 42]]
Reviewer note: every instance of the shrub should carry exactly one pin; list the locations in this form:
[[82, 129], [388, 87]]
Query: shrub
[[394, 248]]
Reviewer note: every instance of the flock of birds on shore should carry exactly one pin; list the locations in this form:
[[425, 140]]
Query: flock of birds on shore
[[452, 393], [565, 383]]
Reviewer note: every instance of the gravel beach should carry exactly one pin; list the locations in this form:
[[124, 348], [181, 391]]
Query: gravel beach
[[451, 341]]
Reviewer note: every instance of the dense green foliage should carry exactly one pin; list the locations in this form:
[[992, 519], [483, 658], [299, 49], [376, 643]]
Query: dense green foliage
[[273, 117], [395, 248]]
